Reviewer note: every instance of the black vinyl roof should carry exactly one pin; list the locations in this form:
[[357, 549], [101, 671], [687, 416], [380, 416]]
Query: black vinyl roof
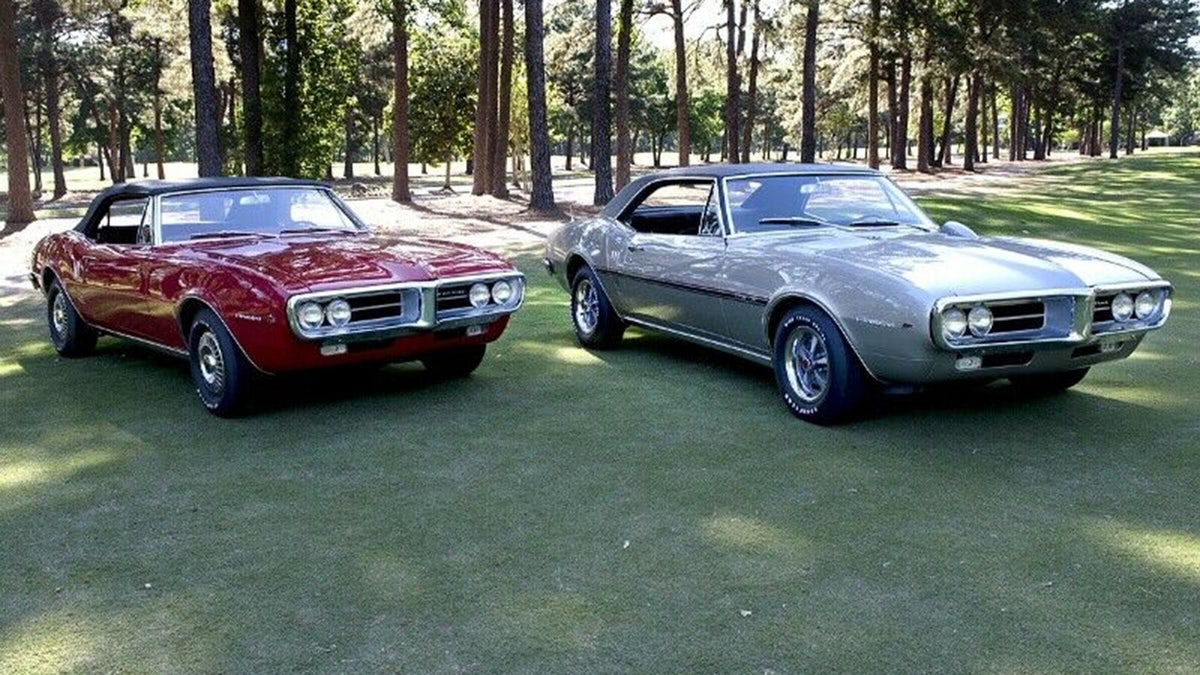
[[717, 171], [150, 188]]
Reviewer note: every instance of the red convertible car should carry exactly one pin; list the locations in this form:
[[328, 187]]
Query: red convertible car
[[265, 275]]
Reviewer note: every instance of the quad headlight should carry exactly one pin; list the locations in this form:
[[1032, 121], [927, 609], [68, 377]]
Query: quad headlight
[[310, 315], [338, 313], [502, 292], [979, 320], [1122, 307], [1146, 304], [954, 322], [479, 295]]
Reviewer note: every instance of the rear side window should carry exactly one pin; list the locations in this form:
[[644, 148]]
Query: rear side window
[[122, 222]]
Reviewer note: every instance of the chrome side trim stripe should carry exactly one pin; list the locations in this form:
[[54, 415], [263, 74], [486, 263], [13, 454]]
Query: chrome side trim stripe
[[736, 350]]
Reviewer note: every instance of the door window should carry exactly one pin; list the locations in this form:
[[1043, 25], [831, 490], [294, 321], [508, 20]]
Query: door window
[[680, 208], [123, 222]]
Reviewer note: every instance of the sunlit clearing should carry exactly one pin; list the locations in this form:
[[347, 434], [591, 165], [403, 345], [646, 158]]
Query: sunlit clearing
[[1171, 551], [57, 643], [27, 472]]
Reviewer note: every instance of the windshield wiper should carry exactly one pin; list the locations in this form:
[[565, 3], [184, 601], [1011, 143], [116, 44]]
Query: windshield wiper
[[875, 222], [308, 230], [226, 233], [794, 221]]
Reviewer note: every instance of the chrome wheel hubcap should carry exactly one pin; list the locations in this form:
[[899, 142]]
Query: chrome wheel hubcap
[[212, 363], [807, 363], [58, 313], [587, 306]]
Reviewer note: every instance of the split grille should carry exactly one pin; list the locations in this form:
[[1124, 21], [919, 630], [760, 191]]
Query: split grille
[[1103, 311], [1019, 316], [375, 306], [450, 298]]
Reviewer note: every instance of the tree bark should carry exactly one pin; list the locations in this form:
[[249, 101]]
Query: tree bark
[[946, 156], [873, 87], [485, 114], [995, 125], [541, 197], [20, 199], [682, 115], [1114, 136], [983, 120], [499, 187], [971, 148], [1129, 136], [808, 111], [250, 49], [348, 129], [401, 192], [624, 150], [204, 87], [900, 153], [925, 119], [732, 86], [158, 136], [601, 123], [752, 85]]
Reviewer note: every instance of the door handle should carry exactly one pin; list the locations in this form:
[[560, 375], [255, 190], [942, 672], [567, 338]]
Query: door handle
[[635, 247]]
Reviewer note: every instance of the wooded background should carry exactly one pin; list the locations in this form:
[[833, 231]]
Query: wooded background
[[293, 87]]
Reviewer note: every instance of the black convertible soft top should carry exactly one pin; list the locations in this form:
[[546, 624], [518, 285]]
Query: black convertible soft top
[[150, 188]]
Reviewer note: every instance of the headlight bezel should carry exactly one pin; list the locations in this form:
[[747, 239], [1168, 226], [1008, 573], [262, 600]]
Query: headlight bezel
[[310, 310], [481, 292], [1126, 302], [980, 320], [502, 288], [1155, 300], [952, 317], [336, 308]]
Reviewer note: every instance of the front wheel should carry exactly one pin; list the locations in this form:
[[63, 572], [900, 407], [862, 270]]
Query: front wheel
[[596, 322], [819, 377], [69, 334], [220, 371], [1049, 383], [455, 363]]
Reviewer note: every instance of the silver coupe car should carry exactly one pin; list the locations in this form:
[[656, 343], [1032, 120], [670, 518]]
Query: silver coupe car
[[834, 277]]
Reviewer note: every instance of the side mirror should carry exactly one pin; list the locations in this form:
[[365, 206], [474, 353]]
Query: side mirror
[[953, 228]]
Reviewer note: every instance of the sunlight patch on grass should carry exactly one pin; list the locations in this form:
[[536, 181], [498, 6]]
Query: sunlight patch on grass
[[574, 356], [1171, 551], [750, 534], [56, 643], [561, 621], [10, 368], [27, 472]]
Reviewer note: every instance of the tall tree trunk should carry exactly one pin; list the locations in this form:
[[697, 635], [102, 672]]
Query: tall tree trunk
[[873, 86], [541, 197], [808, 114], [995, 125], [983, 120], [1014, 123], [250, 49], [34, 129], [900, 153], [601, 123], [499, 187], [401, 192], [158, 136], [20, 199], [682, 113], [485, 113], [889, 120], [946, 156], [54, 119], [925, 119], [1129, 135], [624, 150], [752, 86], [971, 148], [204, 87], [1114, 136], [348, 130], [732, 85], [375, 143], [1039, 144]]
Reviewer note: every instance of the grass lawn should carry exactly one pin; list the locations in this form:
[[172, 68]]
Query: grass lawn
[[652, 509]]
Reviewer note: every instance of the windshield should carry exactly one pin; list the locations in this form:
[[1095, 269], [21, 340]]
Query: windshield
[[784, 202], [267, 212]]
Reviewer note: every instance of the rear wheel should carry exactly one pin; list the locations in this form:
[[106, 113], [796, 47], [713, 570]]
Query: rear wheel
[[819, 377], [220, 371], [596, 322], [69, 334], [1049, 383], [455, 363]]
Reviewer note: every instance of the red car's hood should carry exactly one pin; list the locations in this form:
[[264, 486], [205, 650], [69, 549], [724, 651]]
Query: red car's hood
[[326, 261]]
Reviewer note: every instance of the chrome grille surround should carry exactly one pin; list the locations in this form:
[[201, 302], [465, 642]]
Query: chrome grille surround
[[1068, 316], [417, 308]]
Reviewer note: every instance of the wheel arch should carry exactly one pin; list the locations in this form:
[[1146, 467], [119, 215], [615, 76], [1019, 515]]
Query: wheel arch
[[185, 313], [779, 306]]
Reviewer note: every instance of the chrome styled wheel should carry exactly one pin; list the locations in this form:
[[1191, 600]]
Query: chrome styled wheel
[[212, 362], [806, 360], [58, 314], [587, 306]]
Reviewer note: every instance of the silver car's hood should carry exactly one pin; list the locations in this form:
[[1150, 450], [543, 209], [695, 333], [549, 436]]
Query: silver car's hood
[[944, 265]]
